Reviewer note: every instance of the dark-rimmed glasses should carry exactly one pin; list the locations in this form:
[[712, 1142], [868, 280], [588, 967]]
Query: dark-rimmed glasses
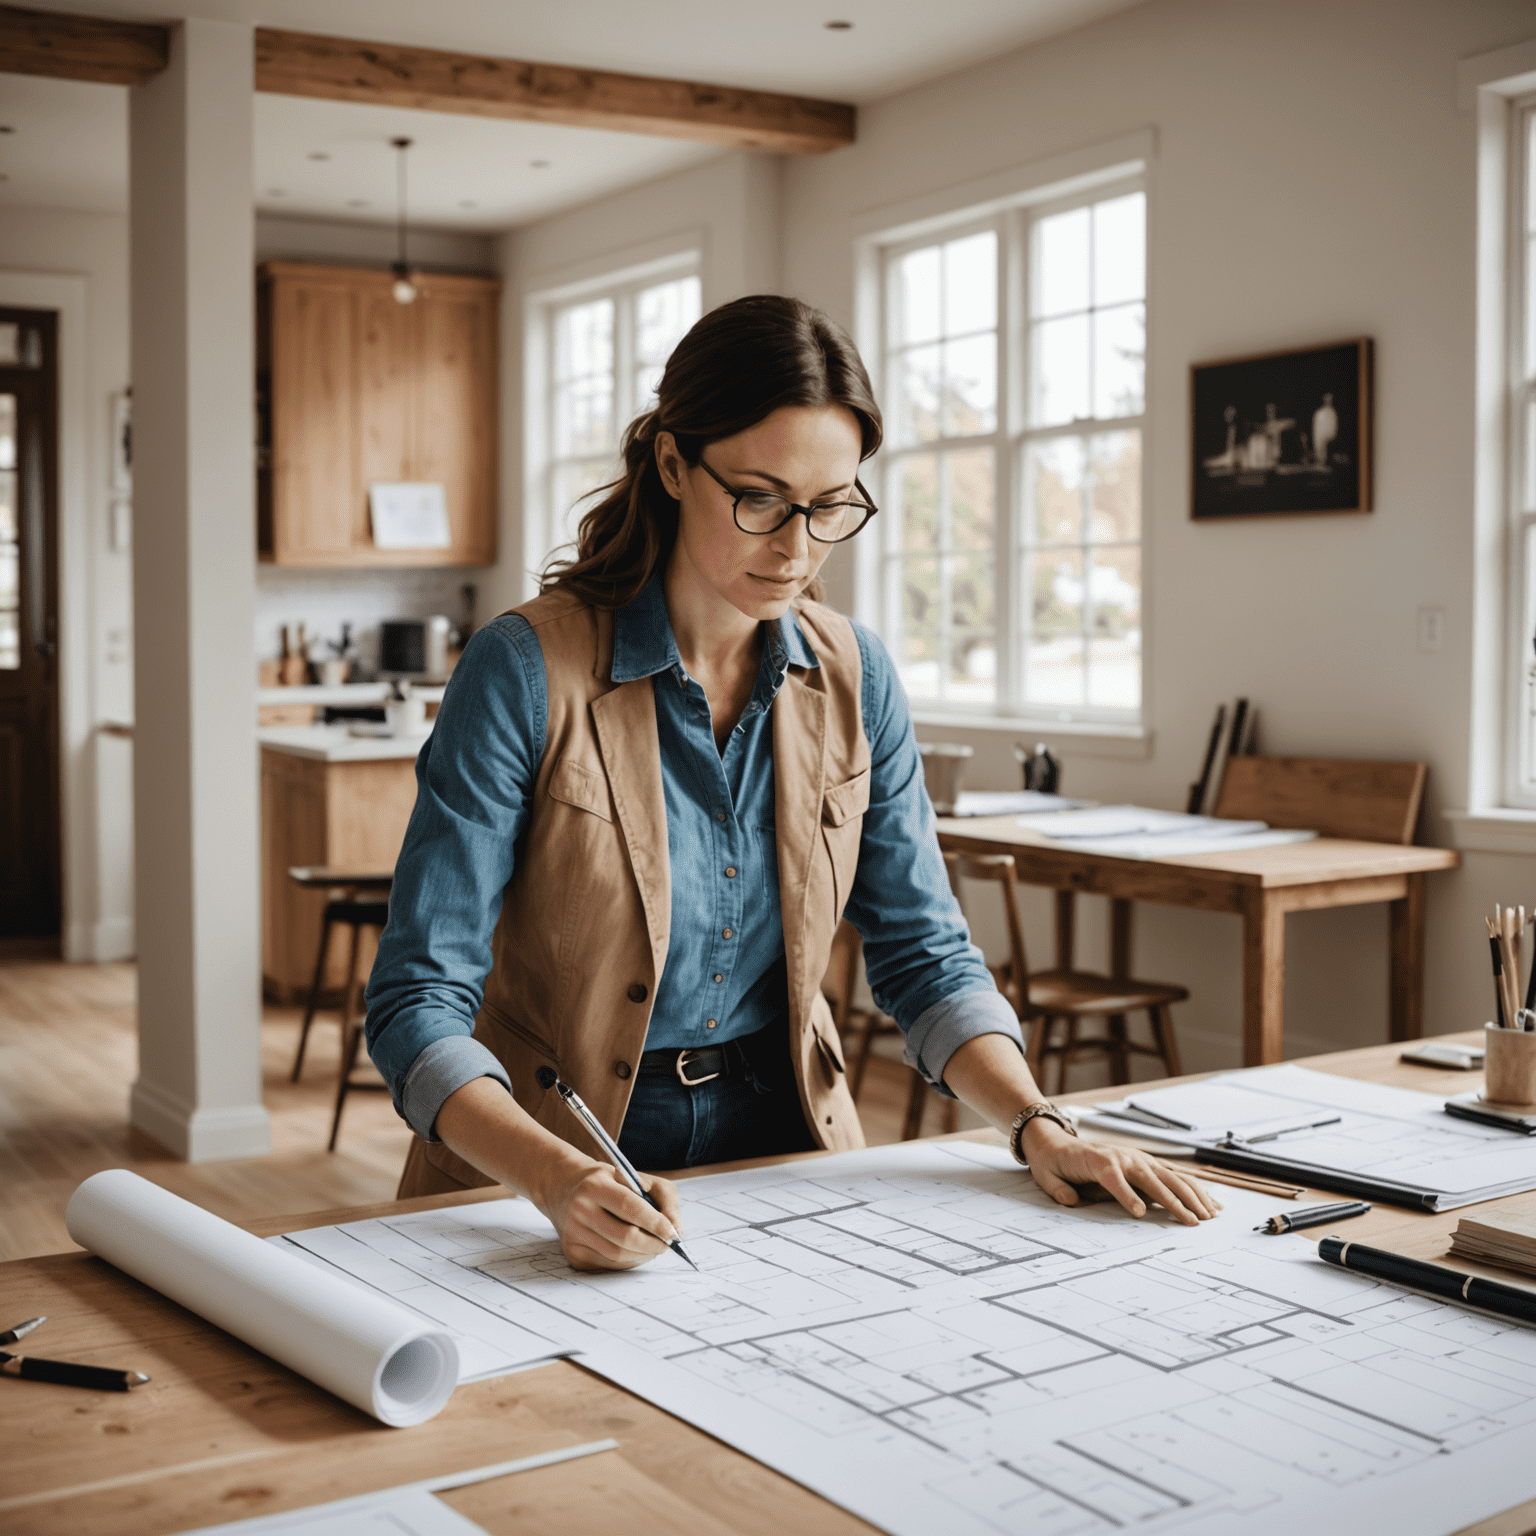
[[758, 511]]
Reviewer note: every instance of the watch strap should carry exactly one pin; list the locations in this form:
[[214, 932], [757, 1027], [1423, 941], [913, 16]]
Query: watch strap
[[1040, 1109]]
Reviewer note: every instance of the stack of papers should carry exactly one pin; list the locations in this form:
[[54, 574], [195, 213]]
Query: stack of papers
[[1005, 802], [1507, 1238], [1329, 1132], [1138, 832]]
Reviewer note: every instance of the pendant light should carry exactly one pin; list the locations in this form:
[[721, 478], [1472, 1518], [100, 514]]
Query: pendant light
[[404, 289]]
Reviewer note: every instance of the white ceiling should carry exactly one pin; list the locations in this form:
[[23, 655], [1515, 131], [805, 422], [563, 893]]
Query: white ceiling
[[69, 144]]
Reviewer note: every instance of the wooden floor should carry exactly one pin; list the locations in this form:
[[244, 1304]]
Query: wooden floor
[[68, 1055]]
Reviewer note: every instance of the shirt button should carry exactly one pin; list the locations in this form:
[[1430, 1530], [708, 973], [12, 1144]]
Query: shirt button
[[718, 978], [726, 933], [621, 1070], [730, 873], [719, 815], [710, 1023], [637, 993]]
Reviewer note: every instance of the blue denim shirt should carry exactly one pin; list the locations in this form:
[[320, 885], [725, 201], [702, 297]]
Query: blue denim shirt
[[475, 778]]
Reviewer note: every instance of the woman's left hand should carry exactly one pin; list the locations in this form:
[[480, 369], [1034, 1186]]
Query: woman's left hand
[[1058, 1161]]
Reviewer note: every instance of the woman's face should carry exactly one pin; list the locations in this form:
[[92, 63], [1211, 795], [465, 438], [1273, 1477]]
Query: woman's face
[[809, 454]]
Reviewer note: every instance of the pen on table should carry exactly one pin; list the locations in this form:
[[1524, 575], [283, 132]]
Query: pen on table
[[1314, 1216], [548, 1078], [1436, 1279], [21, 1330], [30, 1368], [1284, 1130]]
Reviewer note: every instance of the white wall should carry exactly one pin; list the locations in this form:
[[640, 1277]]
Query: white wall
[[1313, 180], [96, 649]]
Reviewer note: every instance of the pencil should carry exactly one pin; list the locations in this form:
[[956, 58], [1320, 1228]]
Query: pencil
[[1226, 1176], [1498, 976]]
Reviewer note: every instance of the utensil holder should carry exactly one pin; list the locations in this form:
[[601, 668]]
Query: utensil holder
[[1509, 1068]]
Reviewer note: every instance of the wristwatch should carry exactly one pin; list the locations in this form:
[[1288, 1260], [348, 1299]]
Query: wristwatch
[[1039, 1108]]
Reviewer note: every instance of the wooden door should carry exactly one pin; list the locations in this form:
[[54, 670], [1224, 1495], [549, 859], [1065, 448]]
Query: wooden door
[[29, 674], [455, 427], [314, 435]]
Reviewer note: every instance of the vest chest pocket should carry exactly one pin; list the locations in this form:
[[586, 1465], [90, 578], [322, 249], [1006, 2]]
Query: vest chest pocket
[[573, 783], [842, 825]]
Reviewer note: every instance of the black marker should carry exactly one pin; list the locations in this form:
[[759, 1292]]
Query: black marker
[[548, 1078]]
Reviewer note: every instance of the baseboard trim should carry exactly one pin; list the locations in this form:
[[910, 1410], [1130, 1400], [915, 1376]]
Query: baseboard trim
[[199, 1135]]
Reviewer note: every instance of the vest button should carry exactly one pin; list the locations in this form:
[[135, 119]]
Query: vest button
[[621, 1070], [637, 993]]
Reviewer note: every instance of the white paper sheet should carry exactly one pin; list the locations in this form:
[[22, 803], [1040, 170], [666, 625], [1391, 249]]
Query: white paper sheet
[[1003, 802], [1114, 821], [408, 1510], [1391, 1135], [365, 1348], [1171, 845], [409, 515], [920, 1335]]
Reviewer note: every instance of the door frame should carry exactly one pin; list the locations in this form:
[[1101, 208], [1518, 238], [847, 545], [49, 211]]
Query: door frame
[[66, 294]]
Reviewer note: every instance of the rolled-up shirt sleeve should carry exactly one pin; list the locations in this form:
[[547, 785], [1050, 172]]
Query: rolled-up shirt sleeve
[[922, 967], [474, 785]]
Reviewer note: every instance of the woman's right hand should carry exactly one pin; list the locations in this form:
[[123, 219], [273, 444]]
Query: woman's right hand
[[604, 1224]]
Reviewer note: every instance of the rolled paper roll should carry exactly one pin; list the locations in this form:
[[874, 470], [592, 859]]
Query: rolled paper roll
[[367, 1350]]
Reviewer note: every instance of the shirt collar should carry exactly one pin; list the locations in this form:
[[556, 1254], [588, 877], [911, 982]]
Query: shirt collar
[[643, 644]]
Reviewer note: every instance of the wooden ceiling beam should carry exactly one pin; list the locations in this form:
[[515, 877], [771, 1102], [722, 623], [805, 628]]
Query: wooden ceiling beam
[[343, 69], [66, 47]]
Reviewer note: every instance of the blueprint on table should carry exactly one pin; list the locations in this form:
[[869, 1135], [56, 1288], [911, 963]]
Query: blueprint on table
[[920, 1335]]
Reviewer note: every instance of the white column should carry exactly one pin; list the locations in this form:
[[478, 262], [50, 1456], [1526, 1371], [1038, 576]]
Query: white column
[[196, 803]]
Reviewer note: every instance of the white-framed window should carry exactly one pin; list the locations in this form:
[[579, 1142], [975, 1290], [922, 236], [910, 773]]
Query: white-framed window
[[1520, 474], [1013, 380], [603, 349]]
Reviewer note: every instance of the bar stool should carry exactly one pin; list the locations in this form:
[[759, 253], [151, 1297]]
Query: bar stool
[[1066, 998], [358, 900]]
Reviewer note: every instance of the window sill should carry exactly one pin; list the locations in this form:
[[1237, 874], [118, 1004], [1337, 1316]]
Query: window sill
[[1500, 830], [1082, 738]]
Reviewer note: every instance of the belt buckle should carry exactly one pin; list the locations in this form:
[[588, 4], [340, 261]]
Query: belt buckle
[[683, 1058]]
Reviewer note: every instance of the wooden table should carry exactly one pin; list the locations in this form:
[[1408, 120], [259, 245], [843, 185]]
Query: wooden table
[[222, 1432], [1261, 885]]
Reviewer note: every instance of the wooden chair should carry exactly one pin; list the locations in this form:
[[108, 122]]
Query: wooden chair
[[1045, 1000], [1363, 801], [839, 985], [358, 900]]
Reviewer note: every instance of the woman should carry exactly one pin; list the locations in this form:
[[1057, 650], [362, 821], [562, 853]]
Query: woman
[[650, 795]]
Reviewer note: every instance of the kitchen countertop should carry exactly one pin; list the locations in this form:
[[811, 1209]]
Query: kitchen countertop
[[333, 743]]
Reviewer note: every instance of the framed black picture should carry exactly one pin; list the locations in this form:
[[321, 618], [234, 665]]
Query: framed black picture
[[1282, 433]]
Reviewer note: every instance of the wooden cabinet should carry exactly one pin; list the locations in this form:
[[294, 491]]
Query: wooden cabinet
[[354, 388], [344, 814]]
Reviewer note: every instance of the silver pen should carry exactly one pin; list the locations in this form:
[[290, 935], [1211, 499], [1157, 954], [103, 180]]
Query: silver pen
[[548, 1078]]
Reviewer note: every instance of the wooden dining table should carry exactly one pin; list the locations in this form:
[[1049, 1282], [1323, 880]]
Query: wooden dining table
[[1261, 885], [223, 1433]]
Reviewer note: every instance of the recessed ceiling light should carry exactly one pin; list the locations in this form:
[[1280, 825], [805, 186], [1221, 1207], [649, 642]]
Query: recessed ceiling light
[[358, 202], [539, 165], [839, 26], [318, 154]]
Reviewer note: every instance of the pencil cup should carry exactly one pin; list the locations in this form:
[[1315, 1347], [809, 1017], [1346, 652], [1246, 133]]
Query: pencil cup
[[1509, 1068]]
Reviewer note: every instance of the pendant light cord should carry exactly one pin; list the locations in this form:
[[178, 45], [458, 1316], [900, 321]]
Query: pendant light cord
[[401, 146]]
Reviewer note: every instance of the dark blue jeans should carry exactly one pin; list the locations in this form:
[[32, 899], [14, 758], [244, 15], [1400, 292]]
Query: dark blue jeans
[[755, 1113]]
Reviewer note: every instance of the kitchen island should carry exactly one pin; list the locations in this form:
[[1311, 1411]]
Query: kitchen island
[[327, 797]]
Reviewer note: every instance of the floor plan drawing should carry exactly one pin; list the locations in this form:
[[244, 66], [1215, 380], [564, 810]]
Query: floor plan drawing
[[919, 1334]]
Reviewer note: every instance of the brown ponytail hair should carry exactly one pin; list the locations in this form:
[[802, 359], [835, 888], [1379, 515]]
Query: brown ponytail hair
[[738, 365]]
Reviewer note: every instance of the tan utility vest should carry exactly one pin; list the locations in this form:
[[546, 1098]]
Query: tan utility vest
[[582, 939]]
